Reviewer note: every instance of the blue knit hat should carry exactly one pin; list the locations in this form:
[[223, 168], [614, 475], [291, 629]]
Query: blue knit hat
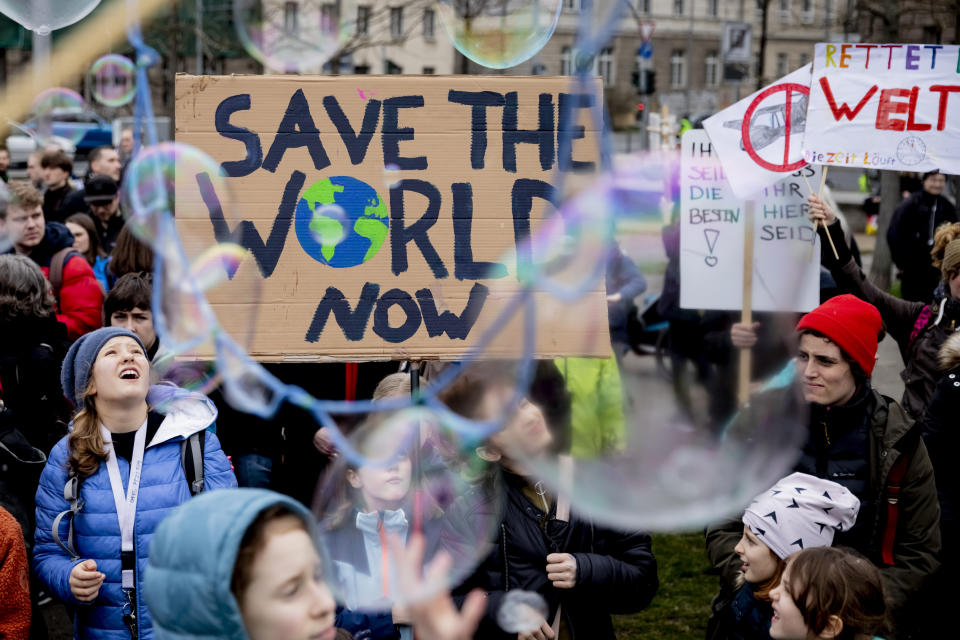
[[75, 374]]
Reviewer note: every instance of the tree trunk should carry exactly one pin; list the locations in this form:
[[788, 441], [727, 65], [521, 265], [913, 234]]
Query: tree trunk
[[889, 199]]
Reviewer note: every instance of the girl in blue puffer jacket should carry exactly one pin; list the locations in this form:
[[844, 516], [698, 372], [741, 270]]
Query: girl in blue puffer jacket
[[124, 453]]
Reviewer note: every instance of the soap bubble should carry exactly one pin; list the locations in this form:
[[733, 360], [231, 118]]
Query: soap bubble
[[400, 473], [44, 16], [522, 611], [113, 78], [654, 437], [499, 33], [54, 116], [294, 37], [168, 193]]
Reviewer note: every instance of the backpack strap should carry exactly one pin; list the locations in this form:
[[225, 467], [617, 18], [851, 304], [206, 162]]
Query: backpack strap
[[57, 263], [191, 456], [897, 472], [71, 493], [919, 324]]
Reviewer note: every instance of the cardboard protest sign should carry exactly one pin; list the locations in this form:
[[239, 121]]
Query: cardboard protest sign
[[885, 106], [786, 276], [758, 139], [386, 217]]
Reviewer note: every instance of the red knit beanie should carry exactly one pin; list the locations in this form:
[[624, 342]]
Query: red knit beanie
[[852, 324]]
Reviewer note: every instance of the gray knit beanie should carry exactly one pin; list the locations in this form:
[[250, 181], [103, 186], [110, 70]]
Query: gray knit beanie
[[799, 512], [75, 373]]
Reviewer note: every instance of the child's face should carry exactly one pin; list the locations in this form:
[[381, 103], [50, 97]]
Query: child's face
[[121, 371], [287, 599], [759, 563], [383, 487], [787, 623]]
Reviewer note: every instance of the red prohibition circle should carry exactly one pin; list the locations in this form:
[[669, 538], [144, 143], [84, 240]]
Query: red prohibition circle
[[788, 88]]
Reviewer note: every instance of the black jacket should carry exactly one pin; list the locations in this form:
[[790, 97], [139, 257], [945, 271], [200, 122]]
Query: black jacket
[[910, 237], [616, 571], [33, 411]]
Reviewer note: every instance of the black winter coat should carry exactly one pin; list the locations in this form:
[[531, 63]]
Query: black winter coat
[[910, 237], [616, 571], [33, 411]]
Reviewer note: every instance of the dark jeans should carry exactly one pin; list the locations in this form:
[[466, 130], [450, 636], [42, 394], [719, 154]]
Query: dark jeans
[[253, 470]]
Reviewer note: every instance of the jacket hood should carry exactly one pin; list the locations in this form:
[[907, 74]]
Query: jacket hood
[[192, 554], [950, 352], [186, 412], [55, 237]]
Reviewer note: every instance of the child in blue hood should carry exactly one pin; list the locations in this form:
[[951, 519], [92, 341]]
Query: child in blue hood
[[123, 460]]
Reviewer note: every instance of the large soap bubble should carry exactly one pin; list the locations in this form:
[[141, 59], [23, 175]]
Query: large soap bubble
[[44, 16], [294, 37], [499, 33], [401, 473], [653, 436]]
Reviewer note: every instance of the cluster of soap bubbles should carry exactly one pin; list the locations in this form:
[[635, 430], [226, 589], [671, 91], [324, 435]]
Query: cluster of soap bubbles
[[649, 450]]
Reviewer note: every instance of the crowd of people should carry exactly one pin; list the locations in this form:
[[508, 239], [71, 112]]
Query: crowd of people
[[118, 499]]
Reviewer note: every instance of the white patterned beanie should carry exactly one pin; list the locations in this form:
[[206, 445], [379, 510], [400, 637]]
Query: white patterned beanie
[[799, 512]]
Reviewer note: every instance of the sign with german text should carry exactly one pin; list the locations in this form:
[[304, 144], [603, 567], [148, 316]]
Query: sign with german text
[[885, 106], [786, 269], [387, 217], [759, 138]]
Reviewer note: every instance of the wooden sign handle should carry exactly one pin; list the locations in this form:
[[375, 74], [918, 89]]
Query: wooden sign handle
[[746, 314]]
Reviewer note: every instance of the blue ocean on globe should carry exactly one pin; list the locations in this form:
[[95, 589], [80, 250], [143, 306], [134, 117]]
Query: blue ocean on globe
[[341, 221]]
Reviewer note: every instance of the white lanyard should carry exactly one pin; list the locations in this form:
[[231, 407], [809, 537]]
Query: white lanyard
[[126, 504]]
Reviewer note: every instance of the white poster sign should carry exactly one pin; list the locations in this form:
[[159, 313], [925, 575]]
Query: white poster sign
[[786, 271], [885, 106], [759, 138]]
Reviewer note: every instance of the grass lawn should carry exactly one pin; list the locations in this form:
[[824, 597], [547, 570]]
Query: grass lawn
[[682, 606]]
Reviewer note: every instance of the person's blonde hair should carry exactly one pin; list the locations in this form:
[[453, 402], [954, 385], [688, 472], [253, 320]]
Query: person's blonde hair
[[395, 385], [86, 445], [944, 235], [23, 195]]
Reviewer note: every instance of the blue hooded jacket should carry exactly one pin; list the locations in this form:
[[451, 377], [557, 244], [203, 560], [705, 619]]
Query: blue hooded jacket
[[194, 550], [163, 486]]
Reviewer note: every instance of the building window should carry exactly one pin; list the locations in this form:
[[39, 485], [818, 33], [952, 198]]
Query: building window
[[363, 20], [781, 65], [429, 20], [784, 10], [290, 17], [678, 69], [329, 18], [808, 12], [804, 59], [393, 68], [643, 6], [571, 5], [678, 7], [711, 75], [604, 66], [566, 61], [428, 71], [396, 22], [361, 69], [713, 8]]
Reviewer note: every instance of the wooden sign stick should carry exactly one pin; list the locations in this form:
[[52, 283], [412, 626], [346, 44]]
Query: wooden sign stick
[[746, 314], [823, 180]]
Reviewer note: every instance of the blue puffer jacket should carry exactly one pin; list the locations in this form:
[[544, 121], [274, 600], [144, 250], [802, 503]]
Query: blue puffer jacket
[[163, 486]]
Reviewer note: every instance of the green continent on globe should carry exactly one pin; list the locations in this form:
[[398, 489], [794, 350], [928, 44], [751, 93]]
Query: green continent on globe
[[329, 230], [371, 228]]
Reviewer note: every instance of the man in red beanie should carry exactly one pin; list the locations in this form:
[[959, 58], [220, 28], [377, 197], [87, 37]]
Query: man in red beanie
[[864, 441]]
